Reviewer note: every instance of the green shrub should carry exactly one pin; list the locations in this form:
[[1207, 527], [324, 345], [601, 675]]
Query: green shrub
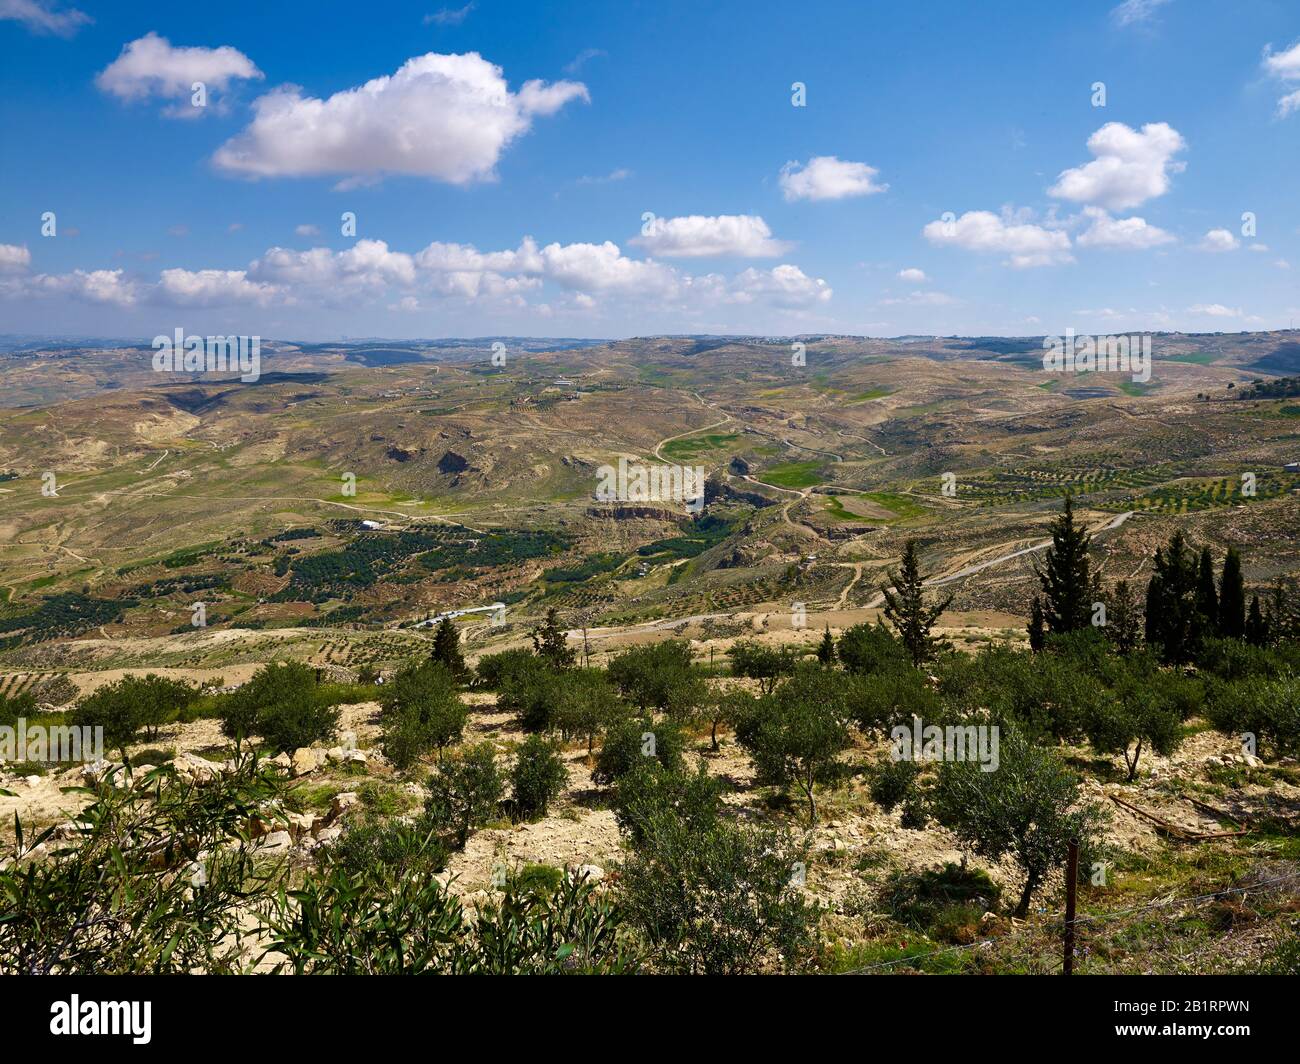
[[584, 704], [1029, 809], [281, 704], [660, 677], [650, 790], [796, 735], [131, 705], [917, 899], [11, 708], [388, 921], [537, 878], [537, 778], [719, 899], [533, 691], [422, 712], [494, 669], [866, 649], [117, 896], [879, 701], [893, 782], [630, 743], [766, 664], [1268, 709], [372, 841], [915, 815], [289, 725], [464, 791]]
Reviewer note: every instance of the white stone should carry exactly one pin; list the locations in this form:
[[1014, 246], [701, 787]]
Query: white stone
[[276, 842], [342, 803]]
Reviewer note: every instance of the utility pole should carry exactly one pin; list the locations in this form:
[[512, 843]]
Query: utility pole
[[1071, 892]]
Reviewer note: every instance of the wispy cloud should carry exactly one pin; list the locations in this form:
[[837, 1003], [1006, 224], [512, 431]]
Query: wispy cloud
[[449, 16], [583, 57], [1136, 12], [44, 16], [621, 174]]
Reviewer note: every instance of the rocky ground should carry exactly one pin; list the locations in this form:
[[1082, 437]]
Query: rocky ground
[[852, 834]]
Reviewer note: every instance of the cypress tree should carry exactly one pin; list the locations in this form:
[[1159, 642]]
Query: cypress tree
[[1256, 627], [1232, 597], [1173, 619], [1123, 628], [1280, 615], [1069, 585], [1037, 631], [551, 644], [906, 610], [1207, 598], [1155, 595], [446, 648], [826, 649]]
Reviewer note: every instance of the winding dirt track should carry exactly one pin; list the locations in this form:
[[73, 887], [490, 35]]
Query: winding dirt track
[[970, 570]]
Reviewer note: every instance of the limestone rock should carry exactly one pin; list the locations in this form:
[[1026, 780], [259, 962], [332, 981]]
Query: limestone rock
[[307, 759], [342, 803]]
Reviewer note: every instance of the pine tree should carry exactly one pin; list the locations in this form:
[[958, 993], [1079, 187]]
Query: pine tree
[[1069, 585], [1232, 598], [1037, 630], [1257, 633], [1207, 599], [446, 648], [551, 644], [826, 649], [906, 610]]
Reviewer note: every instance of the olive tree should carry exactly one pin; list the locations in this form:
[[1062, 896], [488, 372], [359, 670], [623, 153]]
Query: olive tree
[[1028, 808], [798, 732]]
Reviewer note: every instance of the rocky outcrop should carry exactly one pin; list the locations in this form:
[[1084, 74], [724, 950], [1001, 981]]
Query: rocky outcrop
[[452, 463], [634, 511]]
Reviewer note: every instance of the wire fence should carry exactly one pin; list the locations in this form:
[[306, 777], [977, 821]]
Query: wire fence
[[1102, 918]]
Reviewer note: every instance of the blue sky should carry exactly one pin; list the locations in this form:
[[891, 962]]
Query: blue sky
[[949, 172]]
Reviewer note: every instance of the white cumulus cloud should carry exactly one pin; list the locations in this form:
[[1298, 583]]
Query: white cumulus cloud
[[1108, 232], [700, 236], [94, 286], [1026, 244], [591, 278], [14, 258], [1285, 67], [152, 66], [367, 265], [912, 275], [1131, 166], [445, 117], [1219, 240], [211, 288], [604, 268], [782, 286], [825, 177]]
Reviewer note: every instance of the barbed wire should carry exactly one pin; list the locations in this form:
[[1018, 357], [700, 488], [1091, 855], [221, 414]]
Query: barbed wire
[[1103, 918], [1165, 903]]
